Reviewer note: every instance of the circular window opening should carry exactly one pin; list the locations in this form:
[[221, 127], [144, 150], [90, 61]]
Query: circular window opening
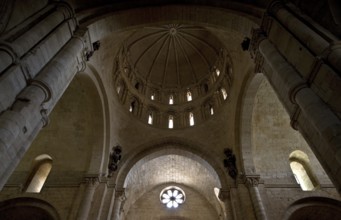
[[172, 196]]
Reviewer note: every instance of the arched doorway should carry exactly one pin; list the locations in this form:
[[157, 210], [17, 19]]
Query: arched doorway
[[27, 208]]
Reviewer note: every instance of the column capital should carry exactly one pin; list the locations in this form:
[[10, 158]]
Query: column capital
[[252, 180], [91, 181], [120, 194]]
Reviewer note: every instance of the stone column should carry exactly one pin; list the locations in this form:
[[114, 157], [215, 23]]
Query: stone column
[[252, 184], [85, 206], [25, 51], [224, 196], [316, 121], [235, 203], [119, 201], [22, 122], [312, 40]]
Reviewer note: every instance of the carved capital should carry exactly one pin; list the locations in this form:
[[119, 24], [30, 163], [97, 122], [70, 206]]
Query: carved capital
[[252, 180], [91, 181], [44, 117], [120, 195]]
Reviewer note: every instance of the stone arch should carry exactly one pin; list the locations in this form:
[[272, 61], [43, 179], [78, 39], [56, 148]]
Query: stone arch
[[164, 147], [184, 212], [270, 139], [98, 163], [69, 138], [27, 208], [245, 122], [314, 208], [173, 148]]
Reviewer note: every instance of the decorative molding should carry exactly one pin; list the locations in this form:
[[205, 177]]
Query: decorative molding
[[5, 46], [315, 69], [44, 117], [66, 9], [295, 89], [275, 6], [89, 48], [266, 23], [258, 35], [44, 87]]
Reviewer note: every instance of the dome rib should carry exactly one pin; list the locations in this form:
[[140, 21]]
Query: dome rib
[[194, 75], [202, 41], [155, 58], [167, 61], [197, 51], [172, 56], [147, 49]]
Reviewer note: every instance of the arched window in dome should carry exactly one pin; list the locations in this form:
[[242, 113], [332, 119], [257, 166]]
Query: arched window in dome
[[41, 169], [300, 167], [189, 95], [191, 118], [152, 96], [171, 100], [211, 110], [132, 106], [170, 121], [150, 118], [217, 71], [119, 87], [224, 93]]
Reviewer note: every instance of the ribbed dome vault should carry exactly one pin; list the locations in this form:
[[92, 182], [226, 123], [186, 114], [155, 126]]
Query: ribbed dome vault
[[172, 76], [172, 56]]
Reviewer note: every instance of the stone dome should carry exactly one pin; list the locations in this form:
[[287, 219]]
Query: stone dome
[[172, 56], [172, 76]]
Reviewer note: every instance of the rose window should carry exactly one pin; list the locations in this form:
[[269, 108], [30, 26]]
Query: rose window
[[172, 196]]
